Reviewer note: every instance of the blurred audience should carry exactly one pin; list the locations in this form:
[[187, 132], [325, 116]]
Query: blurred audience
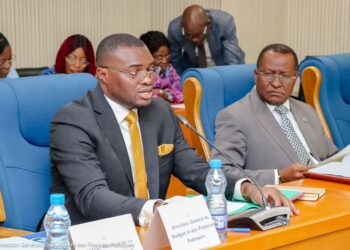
[[167, 84], [202, 38], [76, 55], [6, 59]]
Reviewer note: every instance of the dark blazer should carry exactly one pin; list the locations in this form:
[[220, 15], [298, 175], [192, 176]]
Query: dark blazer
[[250, 134], [222, 40], [90, 164]]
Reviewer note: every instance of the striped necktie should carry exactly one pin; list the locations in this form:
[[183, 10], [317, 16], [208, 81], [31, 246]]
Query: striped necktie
[[292, 136]]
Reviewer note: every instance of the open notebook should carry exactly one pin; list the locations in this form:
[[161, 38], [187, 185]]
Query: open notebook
[[335, 168]]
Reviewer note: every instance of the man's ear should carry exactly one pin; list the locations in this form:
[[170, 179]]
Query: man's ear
[[101, 74], [255, 75]]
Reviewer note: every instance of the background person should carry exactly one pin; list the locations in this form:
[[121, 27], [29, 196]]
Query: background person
[[6, 59], [272, 136], [201, 38], [167, 84], [76, 55]]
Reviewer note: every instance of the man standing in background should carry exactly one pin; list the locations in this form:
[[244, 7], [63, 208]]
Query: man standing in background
[[201, 38]]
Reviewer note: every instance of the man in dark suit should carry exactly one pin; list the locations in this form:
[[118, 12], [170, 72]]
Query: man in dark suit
[[274, 137], [203, 33], [94, 142]]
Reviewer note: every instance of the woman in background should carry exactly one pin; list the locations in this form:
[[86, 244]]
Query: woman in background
[[76, 55], [6, 59], [167, 84]]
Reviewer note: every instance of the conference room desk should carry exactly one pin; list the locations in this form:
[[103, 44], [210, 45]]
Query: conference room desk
[[322, 224], [9, 232]]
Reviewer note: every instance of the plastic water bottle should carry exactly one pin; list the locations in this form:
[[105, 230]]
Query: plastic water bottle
[[56, 224], [216, 201]]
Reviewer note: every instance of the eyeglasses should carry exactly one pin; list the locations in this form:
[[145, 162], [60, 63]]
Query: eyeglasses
[[137, 74], [160, 59], [7, 63], [272, 76], [72, 59], [190, 37]]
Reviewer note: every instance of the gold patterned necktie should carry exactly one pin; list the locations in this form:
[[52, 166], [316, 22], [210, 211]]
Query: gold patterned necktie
[[137, 154]]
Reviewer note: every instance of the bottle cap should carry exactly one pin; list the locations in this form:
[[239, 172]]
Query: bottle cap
[[57, 199], [215, 163]]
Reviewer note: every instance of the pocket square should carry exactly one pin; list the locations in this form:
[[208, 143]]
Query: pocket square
[[165, 149]]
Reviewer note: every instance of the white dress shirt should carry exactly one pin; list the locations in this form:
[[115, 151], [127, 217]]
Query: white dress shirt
[[120, 113], [296, 128], [146, 213]]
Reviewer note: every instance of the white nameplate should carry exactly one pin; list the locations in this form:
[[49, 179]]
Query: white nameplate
[[184, 224], [113, 233]]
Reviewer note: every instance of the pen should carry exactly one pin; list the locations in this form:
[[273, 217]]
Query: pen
[[240, 229]]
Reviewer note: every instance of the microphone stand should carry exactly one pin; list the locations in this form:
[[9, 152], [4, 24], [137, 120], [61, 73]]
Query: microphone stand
[[259, 219]]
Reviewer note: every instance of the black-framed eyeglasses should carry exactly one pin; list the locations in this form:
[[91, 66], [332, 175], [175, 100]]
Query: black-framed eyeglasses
[[72, 59], [7, 63], [137, 74], [200, 35], [267, 76]]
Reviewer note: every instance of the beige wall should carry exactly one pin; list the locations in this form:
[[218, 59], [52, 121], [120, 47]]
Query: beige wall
[[36, 28]]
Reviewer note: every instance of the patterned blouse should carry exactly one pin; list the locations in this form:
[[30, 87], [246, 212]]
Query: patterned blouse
[[170, 80]]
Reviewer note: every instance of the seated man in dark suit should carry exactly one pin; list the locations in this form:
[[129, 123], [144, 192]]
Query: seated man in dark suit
[[114, 150], [274, 137], [201, 38]]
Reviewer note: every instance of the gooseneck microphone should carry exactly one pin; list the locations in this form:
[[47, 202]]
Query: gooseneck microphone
[[258, 219]]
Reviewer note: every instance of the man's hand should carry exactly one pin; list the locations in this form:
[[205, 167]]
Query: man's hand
[[272, 196], [293, 172]]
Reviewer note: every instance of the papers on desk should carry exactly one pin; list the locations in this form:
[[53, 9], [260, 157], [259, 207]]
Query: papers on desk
[[335, 168], [178, 106], [236, 207], [340, 168], [338, 157]]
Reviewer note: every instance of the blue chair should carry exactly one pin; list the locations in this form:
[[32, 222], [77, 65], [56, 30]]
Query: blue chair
[[326, 85], [27, 106], [207, 91]]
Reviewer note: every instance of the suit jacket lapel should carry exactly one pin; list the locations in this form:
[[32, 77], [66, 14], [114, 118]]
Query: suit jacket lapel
[[268, 121], [150, 149], [109, 126]]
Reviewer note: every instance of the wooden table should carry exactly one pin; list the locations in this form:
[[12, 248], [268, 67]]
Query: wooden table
[[322, 224]]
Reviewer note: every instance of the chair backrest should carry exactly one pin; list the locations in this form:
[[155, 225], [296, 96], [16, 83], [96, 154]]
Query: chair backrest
[[27, 106], [327, 78], [207, 91]]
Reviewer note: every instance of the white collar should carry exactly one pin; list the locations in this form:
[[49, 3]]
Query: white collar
[[272, 107], [119, 110]]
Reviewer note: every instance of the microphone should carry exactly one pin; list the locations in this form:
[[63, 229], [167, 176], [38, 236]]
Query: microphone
[[264, 218]]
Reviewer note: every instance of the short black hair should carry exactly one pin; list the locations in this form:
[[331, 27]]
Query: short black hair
[[113, 42], [279, 48], [3, 43], [154, 40]]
